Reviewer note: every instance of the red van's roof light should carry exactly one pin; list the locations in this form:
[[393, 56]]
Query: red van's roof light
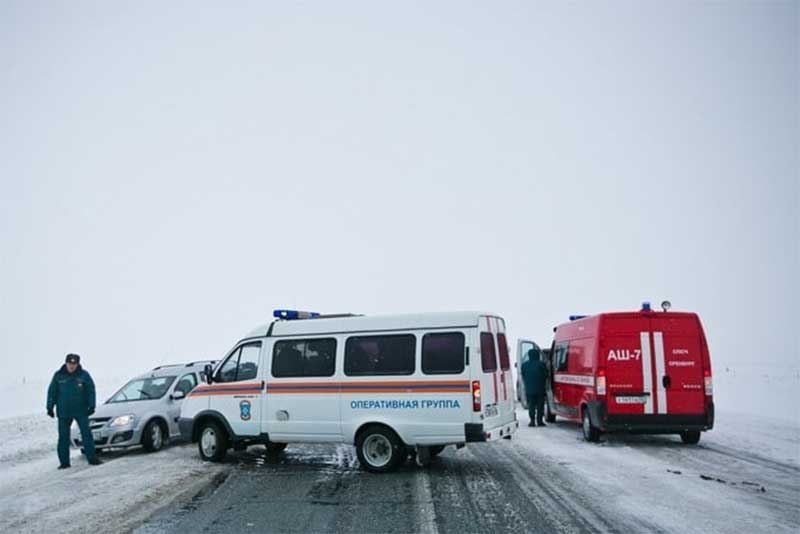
[[646, 307]]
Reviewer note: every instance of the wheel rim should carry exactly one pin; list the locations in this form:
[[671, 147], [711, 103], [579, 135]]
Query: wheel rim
[[208, 442], [156, 437], [586, 426], [377, 450]]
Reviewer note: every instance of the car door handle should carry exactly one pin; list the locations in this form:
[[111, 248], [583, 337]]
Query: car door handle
[[666, 381]]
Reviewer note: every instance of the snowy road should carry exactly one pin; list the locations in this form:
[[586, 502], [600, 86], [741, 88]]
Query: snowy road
[[742, 478]]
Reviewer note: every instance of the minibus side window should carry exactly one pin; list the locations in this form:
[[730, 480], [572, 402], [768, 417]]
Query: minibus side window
[[380, 355], [443, 353], [488, 356], [304, 357], [502, 346]]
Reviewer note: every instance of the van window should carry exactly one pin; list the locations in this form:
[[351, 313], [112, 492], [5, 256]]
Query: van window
[[560, 358], [502, 347], [488, 355], [380, 355], [304, 357], [443, 353], [242, 364]]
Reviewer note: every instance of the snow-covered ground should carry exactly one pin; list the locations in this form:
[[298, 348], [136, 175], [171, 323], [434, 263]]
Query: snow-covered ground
[[113, 497], [743, 477]]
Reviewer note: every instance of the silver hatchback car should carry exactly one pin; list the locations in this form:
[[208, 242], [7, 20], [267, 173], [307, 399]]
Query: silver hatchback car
[[145, 410]]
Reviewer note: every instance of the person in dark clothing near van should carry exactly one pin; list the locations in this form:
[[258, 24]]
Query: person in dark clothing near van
[[72, 394], [534, 375]]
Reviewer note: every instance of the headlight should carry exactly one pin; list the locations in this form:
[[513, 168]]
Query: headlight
[[122, 420]]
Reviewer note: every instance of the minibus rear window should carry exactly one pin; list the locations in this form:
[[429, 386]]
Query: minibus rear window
[[502, 346], [443, 353], [380, 355], [488, 356]]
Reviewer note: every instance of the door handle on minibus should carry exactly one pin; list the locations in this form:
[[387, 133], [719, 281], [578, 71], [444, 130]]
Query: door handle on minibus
[[666, 381]]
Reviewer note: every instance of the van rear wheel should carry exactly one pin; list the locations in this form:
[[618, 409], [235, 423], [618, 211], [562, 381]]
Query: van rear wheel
[[549, 416], [590, 433], [690, 437], [213, 442], [379, 449]]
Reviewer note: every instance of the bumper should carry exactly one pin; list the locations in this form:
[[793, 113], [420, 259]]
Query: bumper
[[650, 423], [186, 426], [474, 432], [108, 437]]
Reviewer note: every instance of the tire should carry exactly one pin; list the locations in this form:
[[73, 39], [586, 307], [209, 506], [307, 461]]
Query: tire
[[379, 449], [690, 437], [590, 433], [436, 450], [549, 416], [153, 436], [213, 442], [275, 448]]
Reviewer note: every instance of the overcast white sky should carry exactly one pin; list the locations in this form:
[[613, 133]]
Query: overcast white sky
[[170, 174]]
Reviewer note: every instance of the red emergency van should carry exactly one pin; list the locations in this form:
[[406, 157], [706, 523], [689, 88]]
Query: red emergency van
[[640, 372]]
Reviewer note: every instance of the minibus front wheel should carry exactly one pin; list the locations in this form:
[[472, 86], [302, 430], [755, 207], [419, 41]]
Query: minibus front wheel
[[379, 449], [213, 442]]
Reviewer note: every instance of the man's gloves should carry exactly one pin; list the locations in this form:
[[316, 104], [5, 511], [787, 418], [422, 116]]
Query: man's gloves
[[91, 411], [50, 413]]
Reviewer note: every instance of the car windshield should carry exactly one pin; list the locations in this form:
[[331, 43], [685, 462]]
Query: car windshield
[[143, 389]]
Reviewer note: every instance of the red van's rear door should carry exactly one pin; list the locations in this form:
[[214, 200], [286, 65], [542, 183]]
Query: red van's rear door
[[678, 364], [625, 352]]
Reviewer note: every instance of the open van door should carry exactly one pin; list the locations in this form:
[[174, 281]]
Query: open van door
[[523, 346]]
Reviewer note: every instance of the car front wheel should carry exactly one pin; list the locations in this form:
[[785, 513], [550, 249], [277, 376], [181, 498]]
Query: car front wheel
[[153, 437]]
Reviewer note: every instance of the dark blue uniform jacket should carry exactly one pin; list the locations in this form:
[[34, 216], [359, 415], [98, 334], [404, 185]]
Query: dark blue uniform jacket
[[71, 394]]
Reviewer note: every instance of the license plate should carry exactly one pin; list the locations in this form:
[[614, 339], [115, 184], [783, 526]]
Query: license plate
[[491, 411], [96, 435], [640, 399]]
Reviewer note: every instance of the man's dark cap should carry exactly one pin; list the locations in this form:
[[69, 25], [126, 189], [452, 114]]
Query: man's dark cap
[[73, 358]]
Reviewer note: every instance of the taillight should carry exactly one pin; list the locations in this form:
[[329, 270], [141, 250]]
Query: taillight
[[709, 383], [476, 396], [601, 382]]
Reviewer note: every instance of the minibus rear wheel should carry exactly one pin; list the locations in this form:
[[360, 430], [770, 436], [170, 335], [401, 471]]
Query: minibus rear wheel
[[213, 442], [379, 449], [690, 437], [275, 448]]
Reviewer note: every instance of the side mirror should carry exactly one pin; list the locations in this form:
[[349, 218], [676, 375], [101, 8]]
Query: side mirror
[[208, 370], [178, 395]]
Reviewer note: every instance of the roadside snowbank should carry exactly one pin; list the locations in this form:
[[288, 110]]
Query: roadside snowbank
[[113, 497]]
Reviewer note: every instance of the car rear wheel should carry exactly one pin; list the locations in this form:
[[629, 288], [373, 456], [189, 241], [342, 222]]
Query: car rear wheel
[[379, 449], [213, 442], [590, 433], [690, 437], [153, 437]]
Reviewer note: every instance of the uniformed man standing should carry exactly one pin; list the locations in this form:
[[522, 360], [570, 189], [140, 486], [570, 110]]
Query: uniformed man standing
[[534, 376], [71, 393]]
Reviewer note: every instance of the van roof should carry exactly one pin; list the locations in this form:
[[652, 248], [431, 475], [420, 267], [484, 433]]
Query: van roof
[[593, 319], [361, 323]]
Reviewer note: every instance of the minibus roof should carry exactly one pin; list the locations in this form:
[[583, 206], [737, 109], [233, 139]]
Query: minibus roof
[[371, 323]]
